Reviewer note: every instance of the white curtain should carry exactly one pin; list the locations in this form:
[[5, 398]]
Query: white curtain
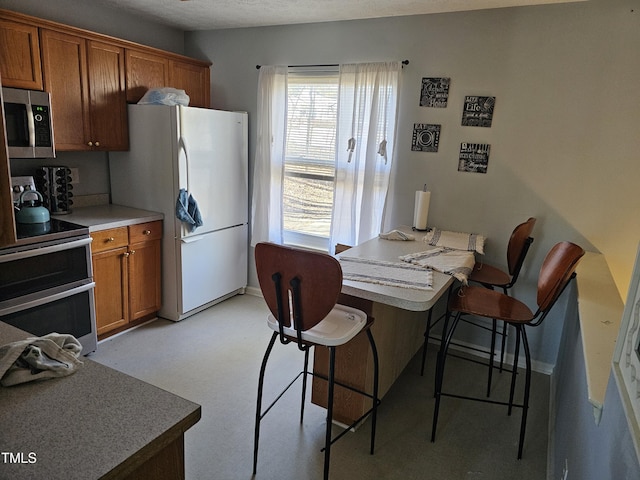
[[268, 171], [365, 142]]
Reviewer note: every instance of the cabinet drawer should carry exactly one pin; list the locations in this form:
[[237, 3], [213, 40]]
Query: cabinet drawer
[[144, 232], [109, 239]]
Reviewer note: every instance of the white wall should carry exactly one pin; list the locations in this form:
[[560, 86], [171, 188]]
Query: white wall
[[565, 136]]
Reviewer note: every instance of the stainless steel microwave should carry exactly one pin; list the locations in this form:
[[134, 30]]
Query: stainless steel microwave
[[28, 123]]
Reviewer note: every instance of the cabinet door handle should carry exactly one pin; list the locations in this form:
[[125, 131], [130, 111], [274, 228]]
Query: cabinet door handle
[[147, 232], [90, 144], [125, 254], [97, 144], [111, 239], [132, 252]]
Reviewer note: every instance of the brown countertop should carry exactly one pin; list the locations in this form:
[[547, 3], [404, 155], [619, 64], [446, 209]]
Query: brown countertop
[[95, 424]]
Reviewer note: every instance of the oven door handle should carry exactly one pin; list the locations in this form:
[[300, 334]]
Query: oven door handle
[[34, 252], [48, 299]]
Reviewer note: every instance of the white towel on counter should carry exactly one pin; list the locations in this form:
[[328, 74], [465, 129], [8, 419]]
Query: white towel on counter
[[397, 235], [39, 358], [456, 240], [457, 263], [394, 274]]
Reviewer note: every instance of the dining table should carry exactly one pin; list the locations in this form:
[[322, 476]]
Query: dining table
[[400, 317]]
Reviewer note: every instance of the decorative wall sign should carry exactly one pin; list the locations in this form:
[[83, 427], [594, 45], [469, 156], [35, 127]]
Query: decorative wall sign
[[474, 157], [626, 358], [434, 92], [425, 137], [478, 111]]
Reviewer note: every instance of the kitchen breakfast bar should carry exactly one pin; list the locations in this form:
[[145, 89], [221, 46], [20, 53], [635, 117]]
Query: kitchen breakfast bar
[[400, 320]]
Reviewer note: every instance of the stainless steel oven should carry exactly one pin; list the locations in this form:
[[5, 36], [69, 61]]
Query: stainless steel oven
[[46, 285]]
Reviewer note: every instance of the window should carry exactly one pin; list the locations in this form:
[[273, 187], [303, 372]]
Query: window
[[324, 150], [309, 167]]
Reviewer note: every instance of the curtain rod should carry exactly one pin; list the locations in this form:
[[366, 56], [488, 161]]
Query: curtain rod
[[404, 62]]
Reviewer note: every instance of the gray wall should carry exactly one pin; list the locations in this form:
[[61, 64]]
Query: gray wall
[[564, 140], [590, 451], [96, 17]]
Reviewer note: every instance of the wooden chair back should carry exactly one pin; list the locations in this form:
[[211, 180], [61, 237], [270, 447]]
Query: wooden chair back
[[518, 247], [298, 285], [557, 269]]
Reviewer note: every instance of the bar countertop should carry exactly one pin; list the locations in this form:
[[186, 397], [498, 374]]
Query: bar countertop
[[97, 423], [391, 250]]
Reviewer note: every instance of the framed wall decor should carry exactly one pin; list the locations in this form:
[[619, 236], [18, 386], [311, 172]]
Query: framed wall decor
[[426, 137], [434, 92], [474, 157], [478, 111], [626, 358]]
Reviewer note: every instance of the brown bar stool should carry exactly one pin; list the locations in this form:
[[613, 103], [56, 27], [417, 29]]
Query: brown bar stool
[[557, 270], [301, 289], [493, 277]]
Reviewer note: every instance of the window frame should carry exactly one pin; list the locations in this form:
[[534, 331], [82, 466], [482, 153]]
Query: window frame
[[292, 237]]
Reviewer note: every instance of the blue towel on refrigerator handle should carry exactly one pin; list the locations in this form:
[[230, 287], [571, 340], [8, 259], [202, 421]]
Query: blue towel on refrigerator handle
[[187, 210]]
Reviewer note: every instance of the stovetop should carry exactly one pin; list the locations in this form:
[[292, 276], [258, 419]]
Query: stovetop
[[54, 229]]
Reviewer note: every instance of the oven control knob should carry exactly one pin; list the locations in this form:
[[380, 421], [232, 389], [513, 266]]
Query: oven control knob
[[18, 188]]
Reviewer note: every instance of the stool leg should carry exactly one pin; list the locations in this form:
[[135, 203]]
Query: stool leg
[[504, 345], [427, 332], [504, 337], [374, 413], [491, 355], [442, 354], [514, 372], [327, 439], [527, 389], [304, 382], [263, 367]]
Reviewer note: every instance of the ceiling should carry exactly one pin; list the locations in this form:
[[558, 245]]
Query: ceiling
[[216, 14]]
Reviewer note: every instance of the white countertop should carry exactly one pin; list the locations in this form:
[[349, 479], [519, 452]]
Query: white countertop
[[103, 217], [390, 250], [600, 309]]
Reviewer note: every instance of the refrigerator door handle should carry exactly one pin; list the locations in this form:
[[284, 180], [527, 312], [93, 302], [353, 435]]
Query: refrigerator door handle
[[182, 143]]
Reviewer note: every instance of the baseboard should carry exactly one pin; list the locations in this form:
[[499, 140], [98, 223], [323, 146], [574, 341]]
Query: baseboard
[[255, 291], [471, 349]]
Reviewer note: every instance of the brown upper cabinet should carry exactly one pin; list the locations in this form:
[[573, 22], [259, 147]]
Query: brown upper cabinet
[[191, 78], [91, 77], [87, 85], [20, 55], [144, 71], [147, 70]]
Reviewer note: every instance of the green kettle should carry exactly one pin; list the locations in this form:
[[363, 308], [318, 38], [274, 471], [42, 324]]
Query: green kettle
[[31, 213]]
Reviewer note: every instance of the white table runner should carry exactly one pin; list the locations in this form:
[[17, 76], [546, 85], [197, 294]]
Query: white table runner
[[395, 274], [457, 263]]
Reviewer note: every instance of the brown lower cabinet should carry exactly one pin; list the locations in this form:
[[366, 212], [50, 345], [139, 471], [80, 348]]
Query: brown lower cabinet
[[126, 270]]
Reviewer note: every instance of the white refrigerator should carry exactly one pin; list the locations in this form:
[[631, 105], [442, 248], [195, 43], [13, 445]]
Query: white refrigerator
[[205, 152]]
